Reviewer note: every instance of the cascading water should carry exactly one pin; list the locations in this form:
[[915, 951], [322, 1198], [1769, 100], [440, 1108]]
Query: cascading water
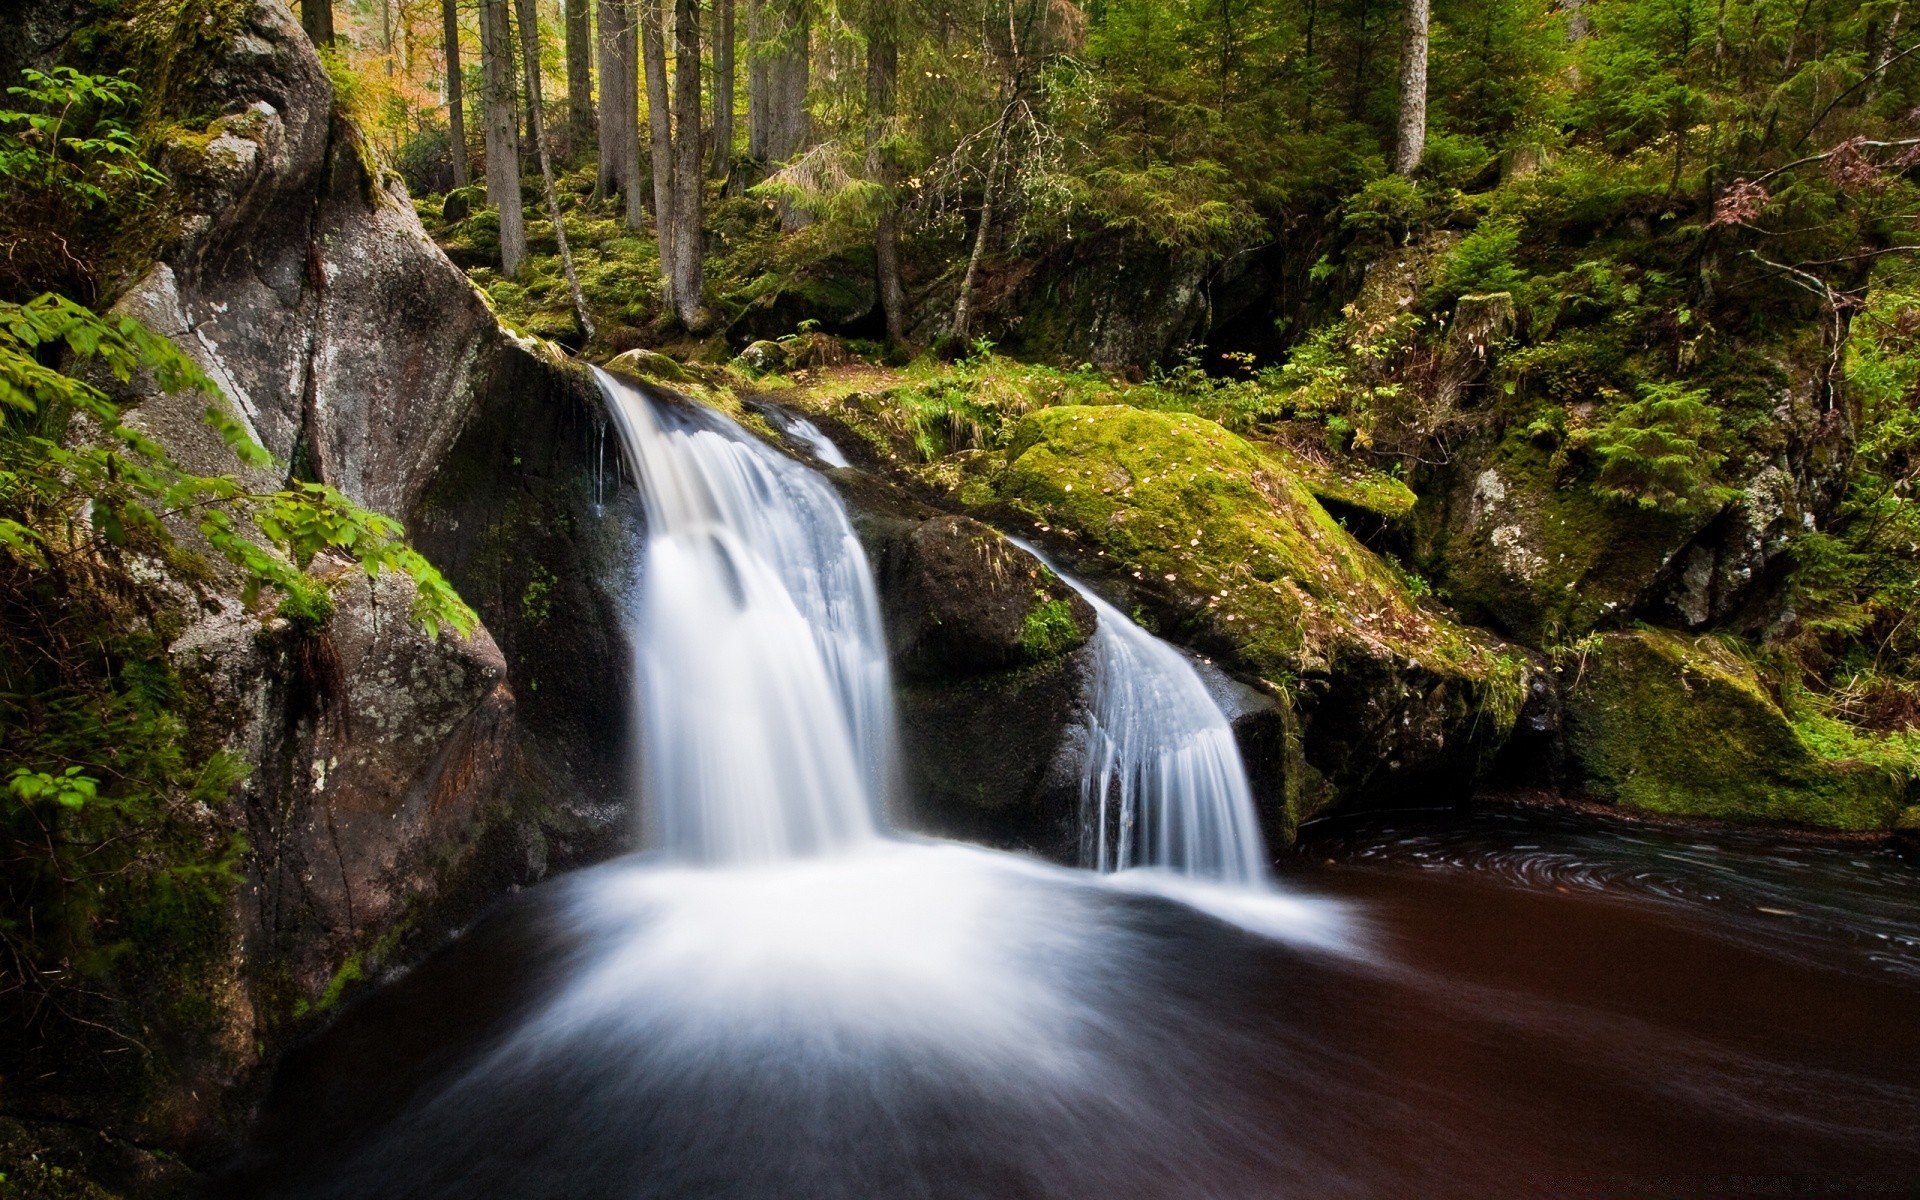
[[766, 711], [778, 1001], [1163, 785]]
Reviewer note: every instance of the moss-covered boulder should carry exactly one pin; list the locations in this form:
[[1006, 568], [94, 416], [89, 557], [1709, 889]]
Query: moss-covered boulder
[[1683, 727], [649, 366], [1538, 556], [1226, 540]]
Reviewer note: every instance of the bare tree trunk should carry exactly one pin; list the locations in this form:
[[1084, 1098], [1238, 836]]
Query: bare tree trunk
[[722, 89], [883, 74], [503, 133], [619, 57], [759, 79], [456, 101], [963, 307], [579, 76], [789, 69], [316, 16], [687, 177], [1413, 88], [530, 61], [653, 50]]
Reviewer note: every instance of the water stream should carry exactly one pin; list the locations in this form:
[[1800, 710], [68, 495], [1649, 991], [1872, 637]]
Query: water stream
[[779, 999], [1163, 785]]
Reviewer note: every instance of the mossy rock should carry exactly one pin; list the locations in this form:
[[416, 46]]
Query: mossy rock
[[1540, 557], [1345, 484], [1681, 727], [649, 366], [1222, 533]]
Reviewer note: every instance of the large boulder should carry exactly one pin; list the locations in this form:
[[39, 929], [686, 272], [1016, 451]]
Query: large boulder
[[389, 793], [962, 600], [992, 674], [1684, 727], [1540, 557], [1229, 549]]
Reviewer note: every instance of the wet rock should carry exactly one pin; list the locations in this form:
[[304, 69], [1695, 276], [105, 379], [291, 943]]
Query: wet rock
[[961, 600], [996, 758]]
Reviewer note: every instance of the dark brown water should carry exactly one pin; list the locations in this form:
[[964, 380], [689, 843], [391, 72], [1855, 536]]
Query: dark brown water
[[1490, 1005]]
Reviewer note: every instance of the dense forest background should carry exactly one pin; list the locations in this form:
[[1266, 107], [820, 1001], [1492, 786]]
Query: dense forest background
[[1649, 247]]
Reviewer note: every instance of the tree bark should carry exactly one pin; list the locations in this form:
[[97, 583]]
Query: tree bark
[[503, 133], [722, 88], [883, 76], [1412, 142], [579, 76], [530, 60], [619, 60], [456, 100], [759, 80], [789, 60], [653, 50], [789, 69], [689, 144], [316, 16]]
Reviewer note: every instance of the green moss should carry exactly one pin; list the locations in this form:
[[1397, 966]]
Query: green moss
[[1195, 510], [650, 366], [1682, 727], [1534, 551], [1345, 483], [1049, 630]]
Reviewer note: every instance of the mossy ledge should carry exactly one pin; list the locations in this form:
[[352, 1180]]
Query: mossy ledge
[[1684, 727]]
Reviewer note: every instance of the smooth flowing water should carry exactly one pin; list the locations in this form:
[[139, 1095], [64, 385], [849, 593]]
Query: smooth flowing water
[[779, 1000], [1163, 785], [766, 708]]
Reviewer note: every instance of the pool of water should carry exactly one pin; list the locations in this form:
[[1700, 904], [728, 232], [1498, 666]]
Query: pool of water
[[1440, 1005]]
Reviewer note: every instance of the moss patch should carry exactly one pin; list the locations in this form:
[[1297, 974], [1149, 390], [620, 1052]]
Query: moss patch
[[1684, 727], [1049, 630]]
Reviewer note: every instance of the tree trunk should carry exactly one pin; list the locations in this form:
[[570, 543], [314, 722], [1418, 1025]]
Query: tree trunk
[[503, 133], [883, 74], [619, 59], [456, 102], [722, 88], [1413, 88], [579, 76], [687, 176], [963, 307], [530, 60], [316, 16], [759, 79], [653, 50], [789, 66], [788, 70]]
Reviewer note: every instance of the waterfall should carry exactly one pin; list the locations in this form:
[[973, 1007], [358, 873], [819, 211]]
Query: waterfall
[[766, 722], [1163, 785]]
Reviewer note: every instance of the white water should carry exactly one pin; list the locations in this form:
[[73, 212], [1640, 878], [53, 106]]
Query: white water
[[766, 725], [808, 434], [1163, 785]]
